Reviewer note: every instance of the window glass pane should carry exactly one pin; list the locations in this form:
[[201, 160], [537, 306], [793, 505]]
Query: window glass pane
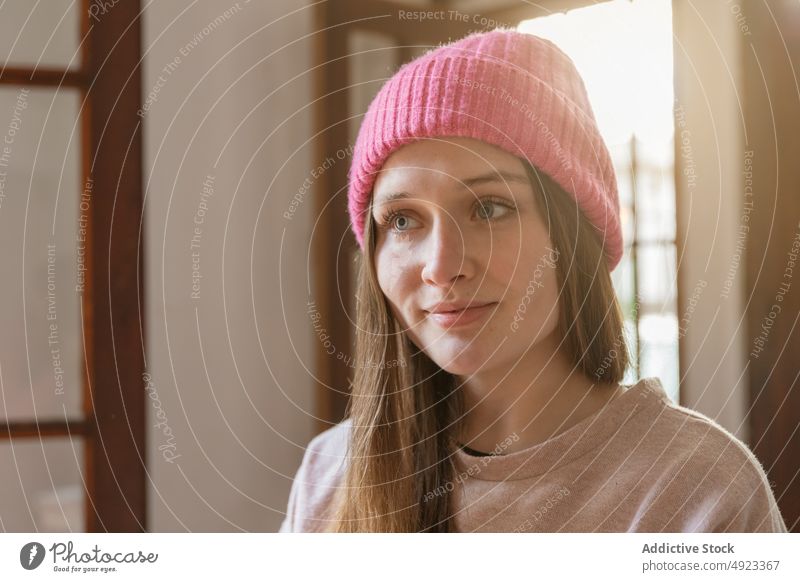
[[620, 155], [631, 375], [42, 486], [622, 278], [655, 191], [621, 158], [627, 221], [40, 194], [44, 34], [656, 266], [658, 334], [653, 153]]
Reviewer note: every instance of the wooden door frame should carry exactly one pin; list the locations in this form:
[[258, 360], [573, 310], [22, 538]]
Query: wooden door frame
[[771, 107], [112, 306]]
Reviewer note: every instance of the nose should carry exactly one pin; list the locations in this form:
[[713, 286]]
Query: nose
[[445, 253]]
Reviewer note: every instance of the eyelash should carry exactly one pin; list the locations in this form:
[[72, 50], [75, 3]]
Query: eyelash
[[387, 218]]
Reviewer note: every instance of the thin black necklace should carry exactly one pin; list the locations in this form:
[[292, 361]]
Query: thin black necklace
[[474, 453]]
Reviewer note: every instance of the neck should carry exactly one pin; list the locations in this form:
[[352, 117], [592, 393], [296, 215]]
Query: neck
[[528, 402]]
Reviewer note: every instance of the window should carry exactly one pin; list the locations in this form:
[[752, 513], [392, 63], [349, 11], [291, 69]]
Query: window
[[623, 50]]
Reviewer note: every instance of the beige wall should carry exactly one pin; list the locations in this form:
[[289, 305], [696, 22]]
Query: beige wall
[[230, 378], [229, 369], [234, 465], [708, 44]]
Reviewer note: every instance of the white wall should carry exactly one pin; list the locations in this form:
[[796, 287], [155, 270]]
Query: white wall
[[239, 417]]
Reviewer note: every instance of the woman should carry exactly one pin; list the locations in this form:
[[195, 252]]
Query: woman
[[490, 348]]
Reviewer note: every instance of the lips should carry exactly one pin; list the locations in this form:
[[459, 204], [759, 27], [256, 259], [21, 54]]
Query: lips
[[453, 306], [455, 314]]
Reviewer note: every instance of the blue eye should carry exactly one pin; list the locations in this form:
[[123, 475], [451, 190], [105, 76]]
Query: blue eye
[[396, 221], [401, 222]]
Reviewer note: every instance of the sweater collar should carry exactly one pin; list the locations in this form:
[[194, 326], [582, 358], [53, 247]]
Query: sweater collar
[[566, 447]]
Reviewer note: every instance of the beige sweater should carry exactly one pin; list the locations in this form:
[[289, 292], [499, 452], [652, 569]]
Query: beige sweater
[[641, 464]]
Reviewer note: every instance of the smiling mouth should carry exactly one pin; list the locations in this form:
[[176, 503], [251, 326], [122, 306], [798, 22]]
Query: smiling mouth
[[461, 317]]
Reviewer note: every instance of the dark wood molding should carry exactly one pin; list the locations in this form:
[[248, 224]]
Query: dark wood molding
[[772, 121], [44, 428], [112, 304], [331, 238], [42, 77], [384, 17]]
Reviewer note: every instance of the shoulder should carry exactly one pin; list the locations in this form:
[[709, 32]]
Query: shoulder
[[717, 480], [327, 452], [705, 442], [319, 476]]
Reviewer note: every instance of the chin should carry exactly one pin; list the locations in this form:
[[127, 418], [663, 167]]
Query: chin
[[461, 370], [457, 354], [461, 362]]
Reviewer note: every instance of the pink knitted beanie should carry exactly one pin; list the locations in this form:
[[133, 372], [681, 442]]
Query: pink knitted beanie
[[513, 90]]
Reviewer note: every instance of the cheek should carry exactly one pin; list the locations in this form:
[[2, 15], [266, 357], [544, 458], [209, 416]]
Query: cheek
[[385, 280], [512, 267], [532, 273], [394, 277]]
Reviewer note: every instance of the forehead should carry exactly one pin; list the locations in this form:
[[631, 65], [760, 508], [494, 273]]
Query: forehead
[[446, 163]]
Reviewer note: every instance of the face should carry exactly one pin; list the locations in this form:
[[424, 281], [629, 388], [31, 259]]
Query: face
[[463, 255]]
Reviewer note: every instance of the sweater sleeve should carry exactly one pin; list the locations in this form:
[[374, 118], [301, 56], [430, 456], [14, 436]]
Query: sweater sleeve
[[316, 481], [756, 509], [746, 503], [716, 483], [288, 523]]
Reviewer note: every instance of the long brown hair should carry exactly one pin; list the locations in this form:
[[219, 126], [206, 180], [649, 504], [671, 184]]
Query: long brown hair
[[405, 409]]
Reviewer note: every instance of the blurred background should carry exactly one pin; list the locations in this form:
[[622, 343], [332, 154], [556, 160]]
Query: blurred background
[[177, 270]]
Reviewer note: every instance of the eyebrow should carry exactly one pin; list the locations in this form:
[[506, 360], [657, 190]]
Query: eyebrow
[[496, 176]]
